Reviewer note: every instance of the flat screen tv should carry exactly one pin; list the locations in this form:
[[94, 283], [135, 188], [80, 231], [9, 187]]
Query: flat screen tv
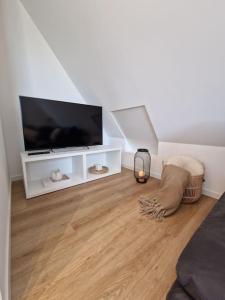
[[50, 124]]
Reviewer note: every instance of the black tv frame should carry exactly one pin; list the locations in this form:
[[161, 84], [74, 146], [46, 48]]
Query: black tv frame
[[60, 147]]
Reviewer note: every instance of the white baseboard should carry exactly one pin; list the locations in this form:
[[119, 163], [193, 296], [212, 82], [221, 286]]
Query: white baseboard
[[16, 177], [210, 193], [155, 175], [127, 167], [205, 191]]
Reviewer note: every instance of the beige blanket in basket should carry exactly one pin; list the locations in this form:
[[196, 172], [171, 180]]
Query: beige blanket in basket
[[167, 198]]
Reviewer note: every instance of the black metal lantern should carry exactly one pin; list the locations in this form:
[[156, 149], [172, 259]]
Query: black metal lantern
[[142, 165]]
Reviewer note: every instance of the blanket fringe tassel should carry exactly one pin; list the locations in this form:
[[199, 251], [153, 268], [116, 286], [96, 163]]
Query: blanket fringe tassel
[[152, 208]]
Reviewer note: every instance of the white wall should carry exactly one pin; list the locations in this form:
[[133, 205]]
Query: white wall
[[4, 176], [33, 71], [166, 55], [15, 78], [4, 221], [48, 79], [212, 157], [175, 71]]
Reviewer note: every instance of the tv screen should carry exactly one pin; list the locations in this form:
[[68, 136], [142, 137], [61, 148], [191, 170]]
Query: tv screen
[[49, 124]]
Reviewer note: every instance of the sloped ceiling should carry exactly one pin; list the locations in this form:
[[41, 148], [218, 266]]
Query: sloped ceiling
[[166, 55]]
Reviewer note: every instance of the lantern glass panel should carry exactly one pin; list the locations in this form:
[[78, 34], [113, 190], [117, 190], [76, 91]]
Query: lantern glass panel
[[142, 165]]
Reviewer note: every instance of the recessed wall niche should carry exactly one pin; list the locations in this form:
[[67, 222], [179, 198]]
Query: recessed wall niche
[[137, 128]]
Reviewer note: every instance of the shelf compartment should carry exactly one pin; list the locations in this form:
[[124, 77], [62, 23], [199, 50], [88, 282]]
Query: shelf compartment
[[37, 171], [110, 159], [74, 164], [36, 187]]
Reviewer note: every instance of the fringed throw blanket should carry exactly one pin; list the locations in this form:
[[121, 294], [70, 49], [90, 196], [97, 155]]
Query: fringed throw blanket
[[167, 198]]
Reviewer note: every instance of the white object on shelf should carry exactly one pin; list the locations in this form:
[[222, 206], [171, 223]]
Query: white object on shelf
[[48, 182], [98, 167], [56, 175], [75, 164]]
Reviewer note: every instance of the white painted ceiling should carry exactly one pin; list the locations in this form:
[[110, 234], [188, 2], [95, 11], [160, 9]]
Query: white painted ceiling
[[166, 55]]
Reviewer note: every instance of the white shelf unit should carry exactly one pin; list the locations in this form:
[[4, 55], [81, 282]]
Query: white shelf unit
[[74, 164]]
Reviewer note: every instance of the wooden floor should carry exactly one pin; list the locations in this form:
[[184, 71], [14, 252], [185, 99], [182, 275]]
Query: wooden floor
[[90, 242]]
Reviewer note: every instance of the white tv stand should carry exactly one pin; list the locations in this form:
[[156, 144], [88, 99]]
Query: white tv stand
[[74, 164]]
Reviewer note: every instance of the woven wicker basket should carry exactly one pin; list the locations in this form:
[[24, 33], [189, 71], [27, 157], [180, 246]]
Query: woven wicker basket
[[193, 191]]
